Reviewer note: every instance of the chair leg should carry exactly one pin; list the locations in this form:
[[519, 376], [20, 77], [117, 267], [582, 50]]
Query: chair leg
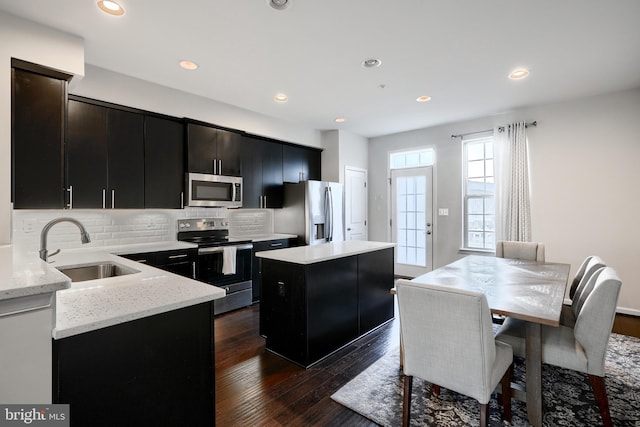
[[406, 400], [436, 389], [484, 415], [506, 393], [600, 392]]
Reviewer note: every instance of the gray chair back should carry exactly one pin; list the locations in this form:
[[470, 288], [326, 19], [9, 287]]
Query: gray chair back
[[448, 338], [595, 319], [529, 251], [578, 277], [585, 286]]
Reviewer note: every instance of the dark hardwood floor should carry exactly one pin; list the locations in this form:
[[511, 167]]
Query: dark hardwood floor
[[255, 387]]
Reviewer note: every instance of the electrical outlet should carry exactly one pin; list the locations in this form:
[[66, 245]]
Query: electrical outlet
[[443, 212]]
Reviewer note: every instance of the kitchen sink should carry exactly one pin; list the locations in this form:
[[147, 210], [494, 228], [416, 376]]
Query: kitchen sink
[[101, 270]]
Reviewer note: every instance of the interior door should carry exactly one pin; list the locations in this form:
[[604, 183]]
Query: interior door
[[412, 220], [356, 204]]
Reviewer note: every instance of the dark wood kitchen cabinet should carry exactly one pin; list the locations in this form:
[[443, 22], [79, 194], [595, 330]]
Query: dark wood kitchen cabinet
[[37, 139], [179, 261], [154, 371], [212, 150], [300, 163], [104, 157], [261, 171], [256, 265], [308, 311], [164, 173]]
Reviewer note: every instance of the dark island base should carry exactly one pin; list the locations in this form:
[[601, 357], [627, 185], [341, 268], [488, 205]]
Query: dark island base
[[309, 311]]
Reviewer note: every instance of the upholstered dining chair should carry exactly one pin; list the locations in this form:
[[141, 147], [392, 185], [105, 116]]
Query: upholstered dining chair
[[582, 281], [448, 340], [582, 347], [530, 251]]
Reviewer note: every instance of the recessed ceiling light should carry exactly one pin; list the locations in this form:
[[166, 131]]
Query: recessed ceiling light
[[423, 98], [281, 97], [371, 63], [518, 73], [340, 120], [188, 65], [279, 4], [110, 7]]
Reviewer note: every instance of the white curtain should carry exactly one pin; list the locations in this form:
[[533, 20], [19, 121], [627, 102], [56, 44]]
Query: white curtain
[[513, 214]]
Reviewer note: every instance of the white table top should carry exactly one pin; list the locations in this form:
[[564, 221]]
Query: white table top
[[526, 290], [323, 252]]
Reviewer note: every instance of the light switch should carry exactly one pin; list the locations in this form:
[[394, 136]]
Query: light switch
[[443, 211]]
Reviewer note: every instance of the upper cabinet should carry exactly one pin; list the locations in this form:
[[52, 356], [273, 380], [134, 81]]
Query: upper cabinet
[[261, 168], [163, 163], [300, 163], [212, 150], [73, 152], [37, 139], [105, 157]]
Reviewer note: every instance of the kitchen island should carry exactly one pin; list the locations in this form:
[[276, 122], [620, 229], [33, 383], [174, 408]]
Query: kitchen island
[[317, 299]]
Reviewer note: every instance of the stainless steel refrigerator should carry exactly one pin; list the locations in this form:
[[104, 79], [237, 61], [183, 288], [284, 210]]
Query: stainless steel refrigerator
[[313, 210]]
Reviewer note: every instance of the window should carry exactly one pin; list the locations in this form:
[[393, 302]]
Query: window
[[411, 159], [479, 194]]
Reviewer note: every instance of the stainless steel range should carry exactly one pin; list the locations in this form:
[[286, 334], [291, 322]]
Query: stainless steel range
[[222, 262]]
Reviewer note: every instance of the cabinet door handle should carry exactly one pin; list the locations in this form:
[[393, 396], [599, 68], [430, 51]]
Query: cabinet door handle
[[113, 199], [104, 198], [193, 269], [220, 166], [275, 245], [182, 200], [177, 256], [70, 191]]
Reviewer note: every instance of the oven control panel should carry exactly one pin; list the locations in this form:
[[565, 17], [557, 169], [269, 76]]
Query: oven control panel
[[203, 224]]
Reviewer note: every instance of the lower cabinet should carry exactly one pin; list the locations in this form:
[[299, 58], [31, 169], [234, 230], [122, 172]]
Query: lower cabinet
[[256, 270], [308, 311], [158, 370], [180, 261]]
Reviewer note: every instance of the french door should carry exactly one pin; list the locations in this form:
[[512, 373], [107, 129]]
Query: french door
[[412, 220]]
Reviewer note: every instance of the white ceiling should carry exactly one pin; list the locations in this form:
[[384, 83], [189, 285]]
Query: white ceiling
[[459, 52]]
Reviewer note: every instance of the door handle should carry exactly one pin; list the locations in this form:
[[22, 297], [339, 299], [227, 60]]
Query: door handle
[[428, 232]]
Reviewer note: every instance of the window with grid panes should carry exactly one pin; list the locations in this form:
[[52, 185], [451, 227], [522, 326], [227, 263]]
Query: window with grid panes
[[479, 194]]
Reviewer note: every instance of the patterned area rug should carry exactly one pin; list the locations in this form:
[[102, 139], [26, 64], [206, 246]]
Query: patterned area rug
[[568, 400]]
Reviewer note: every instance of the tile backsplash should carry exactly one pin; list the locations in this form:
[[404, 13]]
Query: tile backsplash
[[250, 222], [106, 227]]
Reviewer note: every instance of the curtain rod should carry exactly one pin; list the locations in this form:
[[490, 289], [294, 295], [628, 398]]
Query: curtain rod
[[500, 129]]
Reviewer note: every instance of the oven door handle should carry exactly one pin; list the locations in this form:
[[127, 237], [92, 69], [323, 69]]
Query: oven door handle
[[221, 248]]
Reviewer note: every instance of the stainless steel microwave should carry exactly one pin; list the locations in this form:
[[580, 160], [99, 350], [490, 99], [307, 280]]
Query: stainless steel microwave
[[213, 190]]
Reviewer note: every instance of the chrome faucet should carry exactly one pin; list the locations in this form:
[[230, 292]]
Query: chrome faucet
[[44, 254]]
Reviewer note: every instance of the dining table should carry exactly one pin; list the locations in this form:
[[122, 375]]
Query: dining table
[[528, 290]]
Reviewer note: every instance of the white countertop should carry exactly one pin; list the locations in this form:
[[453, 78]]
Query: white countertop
[[25, 274], [93, 304], [265, 237], [323, 252]]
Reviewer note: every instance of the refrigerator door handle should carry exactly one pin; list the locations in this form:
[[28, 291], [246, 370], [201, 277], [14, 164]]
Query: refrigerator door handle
[[330, 216]]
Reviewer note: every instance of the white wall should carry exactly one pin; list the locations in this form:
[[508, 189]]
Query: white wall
[[30, 42], [341, 149], [584, 179], [106, 85]]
